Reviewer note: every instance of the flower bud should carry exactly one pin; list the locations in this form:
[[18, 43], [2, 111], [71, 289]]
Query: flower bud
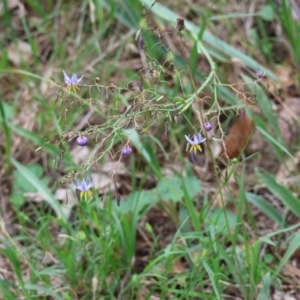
[[207, 126], [126, 151], [82, 141], [141, 43]]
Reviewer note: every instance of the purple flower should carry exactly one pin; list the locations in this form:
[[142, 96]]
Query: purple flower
[[83, 188], [126, 151], [195, 144], [82, 141], [207, 126], [141, 43], [72, 83], [260, 74]]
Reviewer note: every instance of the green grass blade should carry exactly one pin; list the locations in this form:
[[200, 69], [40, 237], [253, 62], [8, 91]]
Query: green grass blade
[[285, 195], [44, 290], [265, 207], [293, 246], [212, 279], [170, 17], [41, 188], [273, 141]]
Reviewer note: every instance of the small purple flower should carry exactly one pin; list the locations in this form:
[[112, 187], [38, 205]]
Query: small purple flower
[[83, 188], [126, 151], [207, 126], [72, 83], [141, 43], [195, 144], [82, 141], [260, 74]]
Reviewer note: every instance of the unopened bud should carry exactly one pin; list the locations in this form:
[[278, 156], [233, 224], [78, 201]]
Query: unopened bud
[[141, 43], [82, 141], [207, 126], [126, 151]]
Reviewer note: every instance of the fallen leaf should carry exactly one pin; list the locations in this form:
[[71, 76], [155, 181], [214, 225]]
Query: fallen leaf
[[238, 136], [19, 51]]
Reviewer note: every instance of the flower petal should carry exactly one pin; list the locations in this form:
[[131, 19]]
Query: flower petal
[[78, 80], [67, 79], [74, 79], [187, 137]]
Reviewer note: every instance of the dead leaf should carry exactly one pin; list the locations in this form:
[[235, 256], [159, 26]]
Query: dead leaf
[[238, 136], [19, 51]]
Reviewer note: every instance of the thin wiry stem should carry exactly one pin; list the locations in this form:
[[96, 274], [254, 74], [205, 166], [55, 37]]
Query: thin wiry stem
[[199, 109]]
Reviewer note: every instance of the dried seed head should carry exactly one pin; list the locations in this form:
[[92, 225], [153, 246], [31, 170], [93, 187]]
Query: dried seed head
[[82, 141], [207, 126], [113, 88], [180, 24]]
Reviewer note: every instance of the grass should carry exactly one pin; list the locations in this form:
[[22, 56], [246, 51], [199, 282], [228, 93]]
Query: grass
[[185, 228]]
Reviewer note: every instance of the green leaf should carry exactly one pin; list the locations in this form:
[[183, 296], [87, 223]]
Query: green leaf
[[267, 13], [284, 194], [265, 207], [144, 149], [265, 287], [22, 184], [137, 201], [293, 246], [169, 16], [17, 200], [39, 185], [170, 189], [43, 290], [217, 218], [37, 140], [193, 186], [273, 141]]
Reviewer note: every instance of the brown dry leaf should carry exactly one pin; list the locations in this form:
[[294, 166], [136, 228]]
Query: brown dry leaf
[[279, 295], [291, 271], [178, 267], [286, 80], [238, 136]]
